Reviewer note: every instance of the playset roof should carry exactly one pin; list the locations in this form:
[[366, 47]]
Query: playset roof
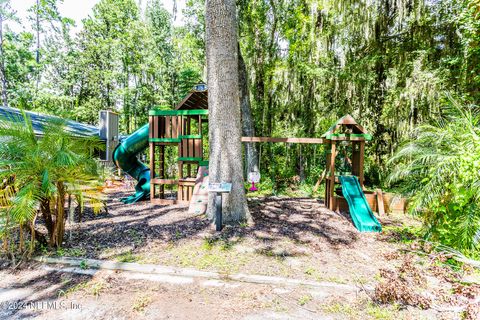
[[196, 99], [355, 130]]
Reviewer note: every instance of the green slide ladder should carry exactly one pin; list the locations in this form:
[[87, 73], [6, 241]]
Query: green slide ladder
[[360, 211]]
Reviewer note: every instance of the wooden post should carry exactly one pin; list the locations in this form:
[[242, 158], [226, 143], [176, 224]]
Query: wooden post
[[152, 170], [161, 171], [355, 158], [180, 170], [331, 203], [327, 180], [200, 125], [361, 164], [380, 204], [168, 132], [152, 157]]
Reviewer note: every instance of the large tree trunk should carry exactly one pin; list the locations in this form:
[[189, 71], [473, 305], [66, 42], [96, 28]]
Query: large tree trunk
[[225, 129], [248, 129]]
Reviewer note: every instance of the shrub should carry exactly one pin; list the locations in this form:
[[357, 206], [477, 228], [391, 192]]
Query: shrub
[[440, 169], [42, 171]]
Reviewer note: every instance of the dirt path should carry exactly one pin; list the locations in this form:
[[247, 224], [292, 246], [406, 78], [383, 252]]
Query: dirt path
[[42, 292]]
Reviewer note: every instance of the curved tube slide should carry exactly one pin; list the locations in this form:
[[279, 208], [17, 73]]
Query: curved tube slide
[[125, 157]]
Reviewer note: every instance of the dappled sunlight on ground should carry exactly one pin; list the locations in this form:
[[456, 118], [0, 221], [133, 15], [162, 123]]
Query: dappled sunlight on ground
[[291, 237]]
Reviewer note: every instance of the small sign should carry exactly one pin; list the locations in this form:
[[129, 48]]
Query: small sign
[[254, 177], [223, 187]]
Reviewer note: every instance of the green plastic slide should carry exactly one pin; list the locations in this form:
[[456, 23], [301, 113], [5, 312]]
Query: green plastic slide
[[125, 157], [360, 211]]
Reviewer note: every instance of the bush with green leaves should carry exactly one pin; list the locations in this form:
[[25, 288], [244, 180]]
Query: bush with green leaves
[[440, 169], [42, 172]]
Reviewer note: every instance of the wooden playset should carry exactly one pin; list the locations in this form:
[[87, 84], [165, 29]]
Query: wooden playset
[[345, 132], [182, 129]]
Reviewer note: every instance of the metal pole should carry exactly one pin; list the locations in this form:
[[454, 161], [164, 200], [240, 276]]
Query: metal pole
[[218, 211]]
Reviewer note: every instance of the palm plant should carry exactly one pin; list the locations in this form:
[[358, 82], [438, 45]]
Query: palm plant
[[6, 194], [440, 169], [44, 171]]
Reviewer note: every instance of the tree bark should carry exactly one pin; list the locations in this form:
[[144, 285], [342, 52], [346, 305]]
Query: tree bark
[[225, 128], [59, 230], [2, 65], [37, 24], [248, 128], [47, 216]]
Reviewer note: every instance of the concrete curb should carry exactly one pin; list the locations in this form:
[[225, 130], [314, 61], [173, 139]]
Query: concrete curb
[[153, 269]]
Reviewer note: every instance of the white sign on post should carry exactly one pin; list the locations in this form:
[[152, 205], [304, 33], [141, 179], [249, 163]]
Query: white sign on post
[[254, 177], [223, 187]]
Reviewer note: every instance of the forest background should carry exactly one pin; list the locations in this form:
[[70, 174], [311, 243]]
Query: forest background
[[392, 65]]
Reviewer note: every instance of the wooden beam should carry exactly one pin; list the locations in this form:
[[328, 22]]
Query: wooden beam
[[152, 168], [163, 181], [320, 180], [285, 140], [362, 163], [380, 205], [161, 171], [331, 186]]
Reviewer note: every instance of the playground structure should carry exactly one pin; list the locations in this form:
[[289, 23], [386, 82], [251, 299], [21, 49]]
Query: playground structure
[[346, 132], [182, 130], [175, 128], [351, 196]]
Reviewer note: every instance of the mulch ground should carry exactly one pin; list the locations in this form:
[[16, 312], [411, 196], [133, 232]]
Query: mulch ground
[[292, 237]]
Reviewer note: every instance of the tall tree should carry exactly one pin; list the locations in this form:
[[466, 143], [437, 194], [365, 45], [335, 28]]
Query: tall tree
[[109, 46], [225, 128], [248, 127], [5, 15], [19, 68], [44, 11], [189, 43]]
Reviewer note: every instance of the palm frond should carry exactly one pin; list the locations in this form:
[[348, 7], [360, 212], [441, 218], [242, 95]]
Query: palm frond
[[440, 168]]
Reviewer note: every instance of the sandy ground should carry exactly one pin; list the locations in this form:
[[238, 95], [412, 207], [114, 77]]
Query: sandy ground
[[36, 293]]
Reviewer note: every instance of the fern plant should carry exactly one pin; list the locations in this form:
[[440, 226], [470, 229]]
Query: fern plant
[[440, 170], [44, 171]]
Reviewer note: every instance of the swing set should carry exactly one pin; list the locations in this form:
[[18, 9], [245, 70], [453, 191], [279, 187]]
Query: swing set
[[344, 189], [183, 129]]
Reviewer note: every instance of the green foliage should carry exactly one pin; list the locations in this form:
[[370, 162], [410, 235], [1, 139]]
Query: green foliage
[[386, 63], [123, 59], [127, 257], [19, 67], [43, 171], [440, 168]]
